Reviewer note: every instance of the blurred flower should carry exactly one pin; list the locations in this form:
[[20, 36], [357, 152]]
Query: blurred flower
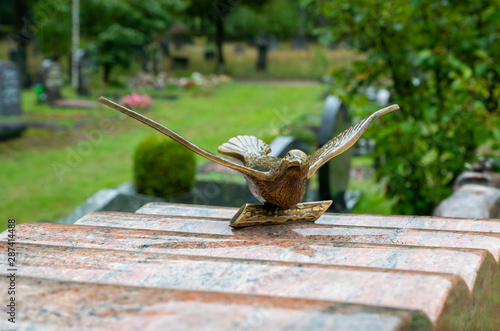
[[136, 101]]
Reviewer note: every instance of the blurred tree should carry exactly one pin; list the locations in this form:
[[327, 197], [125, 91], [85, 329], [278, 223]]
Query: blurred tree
[[15, 14], [217, 12], [244, 23], [278, 18], [52, 25], [438, 59], [281, 18], [214, 12], [117, 28]]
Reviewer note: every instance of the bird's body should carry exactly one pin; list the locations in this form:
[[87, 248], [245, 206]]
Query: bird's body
[[284, 185], [285, 190], [274, 181]]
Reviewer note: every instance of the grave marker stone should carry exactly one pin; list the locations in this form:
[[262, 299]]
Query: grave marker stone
[[263, 47], [10, 100], [333, 178], [239, 49], [10, 94], [180, 62], [209, 55], [299, 42], [281, 145], [53, 79], [272, 43], [85, 69]]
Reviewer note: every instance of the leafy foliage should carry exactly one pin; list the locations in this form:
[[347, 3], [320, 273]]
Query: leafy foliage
[[281, 18], [437, 58], [243, 23], [115, 28], [278, 18], [163, 167], [52, 24]]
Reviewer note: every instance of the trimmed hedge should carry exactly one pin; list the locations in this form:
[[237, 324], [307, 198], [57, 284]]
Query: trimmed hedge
[[163, 168]]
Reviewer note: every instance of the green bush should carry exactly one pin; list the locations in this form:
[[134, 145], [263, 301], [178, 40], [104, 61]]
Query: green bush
[[163, 167], [438, 58]]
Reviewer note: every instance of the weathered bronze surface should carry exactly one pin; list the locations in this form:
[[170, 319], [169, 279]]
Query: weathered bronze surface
[[252, 214], [273, 181]]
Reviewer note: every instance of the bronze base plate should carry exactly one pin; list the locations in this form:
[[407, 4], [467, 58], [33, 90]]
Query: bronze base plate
[[253, 214]]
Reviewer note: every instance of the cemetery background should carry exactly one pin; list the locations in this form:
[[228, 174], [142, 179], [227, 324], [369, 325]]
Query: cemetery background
[[68, 154]]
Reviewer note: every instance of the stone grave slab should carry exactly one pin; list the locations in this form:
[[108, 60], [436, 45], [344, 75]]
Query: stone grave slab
[[170, 262], [10, 101], [77, 305], [53, 80]]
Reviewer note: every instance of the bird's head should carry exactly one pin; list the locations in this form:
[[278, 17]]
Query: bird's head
[[295, 158]]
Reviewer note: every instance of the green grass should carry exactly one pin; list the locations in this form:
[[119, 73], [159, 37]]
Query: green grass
[[47, 174]]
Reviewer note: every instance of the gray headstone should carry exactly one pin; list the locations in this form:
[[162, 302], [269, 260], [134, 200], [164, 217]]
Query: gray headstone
[[263, 48], [281, 145], [334, 175], [272, 43], [299, 42], [471, 201], [119, 199], [10, 101], [53, 79], [239, 49], [10, 93], [179, 62], [85, 70]]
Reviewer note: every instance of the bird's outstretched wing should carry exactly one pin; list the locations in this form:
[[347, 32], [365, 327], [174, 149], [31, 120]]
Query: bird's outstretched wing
[[244, 148], [343, 141], [198, 150]]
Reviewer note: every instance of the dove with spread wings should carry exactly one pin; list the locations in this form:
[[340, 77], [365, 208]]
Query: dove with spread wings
[[273, 181]]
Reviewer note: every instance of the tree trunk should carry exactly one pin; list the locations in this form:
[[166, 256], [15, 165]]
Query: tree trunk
[[262, 57], [107, 72], [219, 40], [22, 39]]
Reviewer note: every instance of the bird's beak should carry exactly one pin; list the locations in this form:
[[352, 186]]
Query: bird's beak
[[294, 162]]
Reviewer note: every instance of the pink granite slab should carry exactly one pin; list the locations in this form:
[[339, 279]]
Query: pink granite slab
[[374, 235], [468, 263], [179, 209], [409, 222], [60, 305], [433, 293], [414, 222]]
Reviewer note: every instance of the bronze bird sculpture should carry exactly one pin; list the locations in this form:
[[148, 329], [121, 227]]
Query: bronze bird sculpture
[[273, 181]]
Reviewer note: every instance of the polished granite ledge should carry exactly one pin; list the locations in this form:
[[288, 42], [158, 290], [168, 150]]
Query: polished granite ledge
[[311, 231], [178, 267], [467, 263], [61, 305], [427, 292], [385, 221]]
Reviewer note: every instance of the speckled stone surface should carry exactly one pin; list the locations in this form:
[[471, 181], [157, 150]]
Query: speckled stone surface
[[406, 222], [180, 267], [68, 305], [471, 200], [467, 263], [344, 233], [427, 292]]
